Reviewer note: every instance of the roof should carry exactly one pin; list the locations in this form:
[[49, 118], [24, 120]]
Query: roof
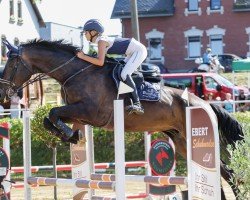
[[146, 8], [37, 13]]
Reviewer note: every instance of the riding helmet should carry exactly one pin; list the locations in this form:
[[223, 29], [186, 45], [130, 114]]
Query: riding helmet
[[93, 24], [209, 50]]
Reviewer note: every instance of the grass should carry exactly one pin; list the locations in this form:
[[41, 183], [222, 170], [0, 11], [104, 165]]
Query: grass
[[242, 78]]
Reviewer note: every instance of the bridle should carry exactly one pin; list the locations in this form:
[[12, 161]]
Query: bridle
[[12, 88]]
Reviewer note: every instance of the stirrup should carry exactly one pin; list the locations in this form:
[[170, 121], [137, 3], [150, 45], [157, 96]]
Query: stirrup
[[135, 108]]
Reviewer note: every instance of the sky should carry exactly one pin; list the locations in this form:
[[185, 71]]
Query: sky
[[76, 12]]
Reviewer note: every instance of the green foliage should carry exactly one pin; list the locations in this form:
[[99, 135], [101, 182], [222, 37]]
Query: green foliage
[[16, 140], [240, 158], [104, 146], [38, 132]]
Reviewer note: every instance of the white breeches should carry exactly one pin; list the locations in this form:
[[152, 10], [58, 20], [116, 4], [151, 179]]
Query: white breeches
[[135, 55]]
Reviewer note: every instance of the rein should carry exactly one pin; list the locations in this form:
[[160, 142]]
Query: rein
[[37, 78], [42, 76]]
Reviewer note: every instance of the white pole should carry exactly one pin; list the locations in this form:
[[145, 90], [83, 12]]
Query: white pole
[[119, 149], [234, 106], [90, 154], [26, 154], [6, 147], [147, 144]]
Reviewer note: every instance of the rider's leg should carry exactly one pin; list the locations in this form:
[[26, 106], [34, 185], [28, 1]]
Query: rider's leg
[[136, 107], [137, 54]]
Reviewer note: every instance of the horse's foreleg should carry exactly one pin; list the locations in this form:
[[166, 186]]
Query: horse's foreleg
[[69, 112], [49, 126]]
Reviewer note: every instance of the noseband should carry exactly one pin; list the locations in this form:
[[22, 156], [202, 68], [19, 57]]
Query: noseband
[[12, 89]]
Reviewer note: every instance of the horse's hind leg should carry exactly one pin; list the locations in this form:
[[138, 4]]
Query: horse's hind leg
[[227, 174], [180, 144]]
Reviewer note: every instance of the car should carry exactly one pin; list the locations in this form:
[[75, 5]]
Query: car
[[227, 59], [203, 84]]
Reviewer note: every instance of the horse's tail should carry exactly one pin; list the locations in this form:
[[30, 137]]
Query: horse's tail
[[230, 129]]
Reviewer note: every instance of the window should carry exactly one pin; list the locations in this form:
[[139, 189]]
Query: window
[[215, 4], [3, 50], [193, 5], [194, 46], [216, 44], [19, 13], [12, 17], [155, 46], [155, 49], [210, 83], [180, 82], [216, 35]]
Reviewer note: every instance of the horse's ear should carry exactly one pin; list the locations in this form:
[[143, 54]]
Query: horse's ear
[[13, 50], [9, 46]]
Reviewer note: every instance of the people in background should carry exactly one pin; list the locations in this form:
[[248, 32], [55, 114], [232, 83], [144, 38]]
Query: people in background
[[247, 104], [207, 57], [241, 106], [210, 97], [218, 99], [16, 106], [199, 87], [228, 103]]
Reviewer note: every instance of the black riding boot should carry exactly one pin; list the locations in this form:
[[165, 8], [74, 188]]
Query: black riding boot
[[136, 107]]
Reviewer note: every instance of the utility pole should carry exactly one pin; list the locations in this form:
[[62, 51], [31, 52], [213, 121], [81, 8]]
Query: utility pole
[[134, 19]]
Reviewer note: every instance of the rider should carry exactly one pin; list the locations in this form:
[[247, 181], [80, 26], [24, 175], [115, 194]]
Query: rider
[[207, 58], [135, 54]]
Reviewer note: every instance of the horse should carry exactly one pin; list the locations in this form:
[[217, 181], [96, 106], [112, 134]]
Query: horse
[[88, 92], [215, 67]]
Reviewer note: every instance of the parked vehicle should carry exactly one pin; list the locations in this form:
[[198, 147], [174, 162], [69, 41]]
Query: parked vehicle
[[227, 59], [203, 84]]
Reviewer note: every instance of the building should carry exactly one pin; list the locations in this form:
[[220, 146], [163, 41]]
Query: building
[[20, 21], [55, 31], [177, 32]]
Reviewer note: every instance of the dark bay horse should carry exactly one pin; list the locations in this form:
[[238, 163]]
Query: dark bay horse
[[89, 91]]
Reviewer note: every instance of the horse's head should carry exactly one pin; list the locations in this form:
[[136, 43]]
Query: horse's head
[[15, 73], [217, 65]]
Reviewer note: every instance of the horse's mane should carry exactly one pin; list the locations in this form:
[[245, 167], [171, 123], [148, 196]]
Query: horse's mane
[[56, 44]]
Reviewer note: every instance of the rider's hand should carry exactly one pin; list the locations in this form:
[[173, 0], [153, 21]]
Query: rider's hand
[[79, 54]]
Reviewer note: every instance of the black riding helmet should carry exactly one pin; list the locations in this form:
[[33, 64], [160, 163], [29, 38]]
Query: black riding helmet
[[93, 24]]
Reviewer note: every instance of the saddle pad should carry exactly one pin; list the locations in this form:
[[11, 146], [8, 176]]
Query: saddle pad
[[146, 91], [149, 91]]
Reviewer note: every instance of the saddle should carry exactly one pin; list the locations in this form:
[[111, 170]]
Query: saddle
[[147, 81]]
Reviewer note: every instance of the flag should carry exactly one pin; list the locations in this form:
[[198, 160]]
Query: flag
[[185, 95], [123, 88]]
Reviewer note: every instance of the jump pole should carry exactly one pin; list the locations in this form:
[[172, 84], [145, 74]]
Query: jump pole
[[26, 154], [119, 149]]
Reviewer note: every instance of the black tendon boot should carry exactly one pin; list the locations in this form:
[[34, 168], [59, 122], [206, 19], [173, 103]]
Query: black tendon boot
[[136, 107]]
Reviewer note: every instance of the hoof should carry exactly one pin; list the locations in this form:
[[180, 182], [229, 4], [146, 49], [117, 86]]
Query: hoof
[[74, 139]]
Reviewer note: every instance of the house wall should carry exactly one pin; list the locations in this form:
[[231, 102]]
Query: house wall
[[174, 42], [29, 29]]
